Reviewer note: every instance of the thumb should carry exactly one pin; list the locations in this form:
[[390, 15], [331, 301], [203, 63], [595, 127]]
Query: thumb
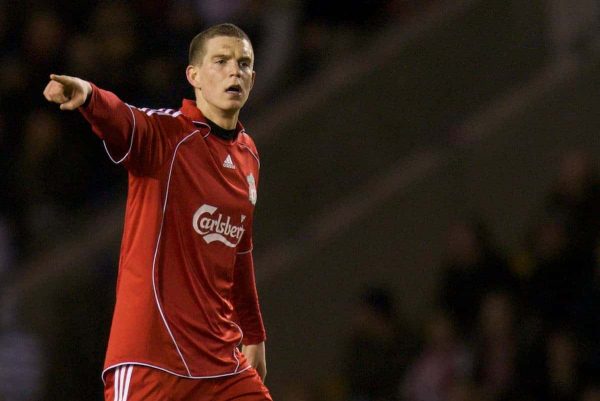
[[73, 103]]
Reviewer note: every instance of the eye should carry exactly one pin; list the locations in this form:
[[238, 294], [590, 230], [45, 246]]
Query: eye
[[220, 61], [245, 64]]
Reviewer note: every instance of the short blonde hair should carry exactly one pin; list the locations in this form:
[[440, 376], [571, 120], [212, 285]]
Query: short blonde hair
[[197, 45]]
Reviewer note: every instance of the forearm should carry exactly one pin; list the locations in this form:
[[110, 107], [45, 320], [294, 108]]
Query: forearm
[[111, 120], [245, 300]]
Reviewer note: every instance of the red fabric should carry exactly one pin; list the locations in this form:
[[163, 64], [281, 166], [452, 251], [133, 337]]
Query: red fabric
[[140, 383], [185, 267]]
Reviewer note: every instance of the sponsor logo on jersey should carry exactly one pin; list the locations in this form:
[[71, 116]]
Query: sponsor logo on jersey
[[213, 226], [252, 188], [228, 162]]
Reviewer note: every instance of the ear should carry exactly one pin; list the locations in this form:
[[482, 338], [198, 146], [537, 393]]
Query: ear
[[192, 74]]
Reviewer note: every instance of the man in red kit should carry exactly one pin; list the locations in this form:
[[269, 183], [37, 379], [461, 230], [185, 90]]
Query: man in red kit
[[185, 289]]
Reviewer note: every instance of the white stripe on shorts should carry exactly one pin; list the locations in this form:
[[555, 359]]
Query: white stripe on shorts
[[122, 381], [116, 389]]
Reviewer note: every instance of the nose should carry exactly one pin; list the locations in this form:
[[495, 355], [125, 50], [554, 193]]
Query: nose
[[235, 69]]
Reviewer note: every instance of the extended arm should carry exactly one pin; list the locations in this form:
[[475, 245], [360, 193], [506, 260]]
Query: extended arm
[[130, 135]]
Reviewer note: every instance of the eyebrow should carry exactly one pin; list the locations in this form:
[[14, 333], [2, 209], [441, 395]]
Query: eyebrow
[[226, 56]]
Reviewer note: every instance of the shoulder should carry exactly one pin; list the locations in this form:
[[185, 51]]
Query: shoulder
[[246, 139], [158, 113], [165, 116], [246, 143]]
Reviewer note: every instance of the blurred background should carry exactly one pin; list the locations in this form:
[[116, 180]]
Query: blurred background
[[429, 212]]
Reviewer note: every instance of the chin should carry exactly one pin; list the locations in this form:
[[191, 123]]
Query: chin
[[234, 106]]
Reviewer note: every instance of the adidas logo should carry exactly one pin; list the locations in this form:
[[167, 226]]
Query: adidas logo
[[228, 162]]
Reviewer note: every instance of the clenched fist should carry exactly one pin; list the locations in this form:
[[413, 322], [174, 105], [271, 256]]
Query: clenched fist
[[68, 92]]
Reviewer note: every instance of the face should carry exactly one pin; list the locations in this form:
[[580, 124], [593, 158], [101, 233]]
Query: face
[[225, 76]]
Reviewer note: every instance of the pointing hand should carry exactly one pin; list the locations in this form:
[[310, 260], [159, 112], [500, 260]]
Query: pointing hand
[[68, 92]]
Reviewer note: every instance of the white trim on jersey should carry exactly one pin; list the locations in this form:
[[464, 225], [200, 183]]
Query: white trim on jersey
[[245, 252], [130, 142], [147, 111], [251, 152], [238, 344], [147, 365], [160, 112], [204, 125], [162, 315]]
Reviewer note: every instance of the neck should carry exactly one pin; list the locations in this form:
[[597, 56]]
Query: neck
[[225, 120]]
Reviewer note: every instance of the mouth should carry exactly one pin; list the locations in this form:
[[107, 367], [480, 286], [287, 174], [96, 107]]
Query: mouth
[[234, 90]]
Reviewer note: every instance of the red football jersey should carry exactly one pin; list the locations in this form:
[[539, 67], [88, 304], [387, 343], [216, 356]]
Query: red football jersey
[[185, 288]]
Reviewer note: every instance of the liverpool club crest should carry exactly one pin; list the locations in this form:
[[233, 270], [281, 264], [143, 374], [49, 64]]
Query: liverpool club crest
[[252, 188]]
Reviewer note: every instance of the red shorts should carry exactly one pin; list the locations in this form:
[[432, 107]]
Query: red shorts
[[141, 383]]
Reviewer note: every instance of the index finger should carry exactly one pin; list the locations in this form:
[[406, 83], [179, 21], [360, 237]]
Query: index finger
[[62, 79]]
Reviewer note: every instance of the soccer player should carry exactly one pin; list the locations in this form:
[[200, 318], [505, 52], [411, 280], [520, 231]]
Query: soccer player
[[185, 289]]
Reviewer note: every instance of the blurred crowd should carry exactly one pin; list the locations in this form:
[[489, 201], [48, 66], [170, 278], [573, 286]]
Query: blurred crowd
[[55, 171], [521, 325], [508, 325], [55, 174]]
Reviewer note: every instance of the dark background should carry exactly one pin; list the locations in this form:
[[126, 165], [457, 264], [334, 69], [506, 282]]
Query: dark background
[[429, 210]]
